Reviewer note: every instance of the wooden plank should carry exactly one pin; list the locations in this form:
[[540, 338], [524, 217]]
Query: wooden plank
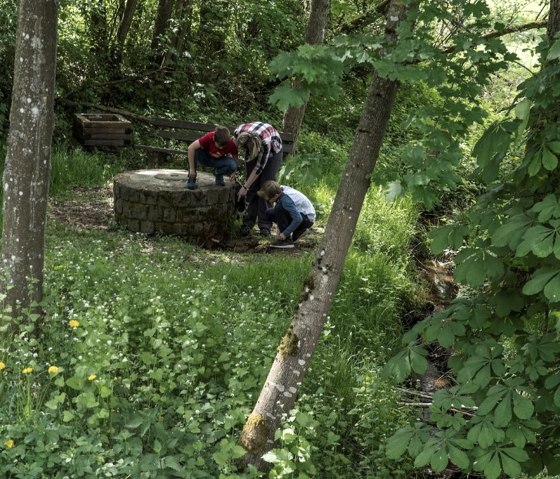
[[187, 125], [106, 136], [159, 149], [179, 136], [105, 143]]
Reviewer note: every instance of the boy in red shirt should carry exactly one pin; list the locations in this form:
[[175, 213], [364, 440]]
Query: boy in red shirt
[[215, 149]]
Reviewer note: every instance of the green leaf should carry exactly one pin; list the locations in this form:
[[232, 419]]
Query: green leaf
[[418, 361], [554, 51], [522, 407], [503, 412], [510, 232], [285, 96], [510, 466], [516, 453], [398, 442], [535, 164], [493, 469], [552, 289], [424, 458], [494, 140], [554, 146], [438, 461], [539, 280], [549, 160], [458, 457], [398, 367]]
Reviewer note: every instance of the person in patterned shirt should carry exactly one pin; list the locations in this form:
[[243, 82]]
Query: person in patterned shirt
[[260, 146]]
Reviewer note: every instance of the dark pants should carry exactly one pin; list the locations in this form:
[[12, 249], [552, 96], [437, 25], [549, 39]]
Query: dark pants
[[282, 218], [225, 165], [257, 206]]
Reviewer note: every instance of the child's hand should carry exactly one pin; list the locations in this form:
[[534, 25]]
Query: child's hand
[[280, 236]]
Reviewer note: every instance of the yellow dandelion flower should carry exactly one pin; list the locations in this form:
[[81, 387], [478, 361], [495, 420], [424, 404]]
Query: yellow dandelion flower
[[92, 377], [73, 323], [2, 366], [27, 370], [9, 443], [53, 369]]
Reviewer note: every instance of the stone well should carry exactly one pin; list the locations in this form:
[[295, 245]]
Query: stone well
[[157, 201]]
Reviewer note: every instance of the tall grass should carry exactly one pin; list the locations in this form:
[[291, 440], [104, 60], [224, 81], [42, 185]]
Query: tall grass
[[78, 168]]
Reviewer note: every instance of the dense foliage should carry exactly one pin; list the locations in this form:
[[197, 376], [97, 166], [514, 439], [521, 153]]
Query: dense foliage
[[501, 414], [155, 350]]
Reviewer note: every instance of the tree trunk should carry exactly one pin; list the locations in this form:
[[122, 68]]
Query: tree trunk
[[298, 345], [183, 14], [124, 26], [293, 118], [164, 15], [98, 30], [28, 159], [553, 19]]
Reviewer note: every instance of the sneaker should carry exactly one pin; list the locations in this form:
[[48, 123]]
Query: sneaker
[[191, 183], [264, 232], [283, 244], [220, 180], [245, 230]]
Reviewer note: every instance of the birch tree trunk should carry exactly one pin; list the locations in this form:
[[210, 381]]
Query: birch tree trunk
[[28, 159], [296, 348], [318, 17]]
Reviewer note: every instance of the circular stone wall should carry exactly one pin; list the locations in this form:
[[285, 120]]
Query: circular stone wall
[[157, 201]]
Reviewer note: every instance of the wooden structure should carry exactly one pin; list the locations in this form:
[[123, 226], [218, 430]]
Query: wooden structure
[[172, 137], [102, 129]]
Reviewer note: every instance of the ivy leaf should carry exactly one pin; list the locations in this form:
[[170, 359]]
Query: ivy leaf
[[539, 280]]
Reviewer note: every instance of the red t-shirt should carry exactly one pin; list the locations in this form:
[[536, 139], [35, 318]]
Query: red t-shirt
[[207, 143]]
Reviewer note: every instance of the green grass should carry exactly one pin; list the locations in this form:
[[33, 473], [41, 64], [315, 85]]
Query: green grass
[[174, 343]]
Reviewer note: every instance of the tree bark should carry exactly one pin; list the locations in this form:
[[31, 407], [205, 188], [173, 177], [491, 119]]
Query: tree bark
[[553, 19], [125, 23], [293, 118], [28, 159], [296, 348], [164, 15]]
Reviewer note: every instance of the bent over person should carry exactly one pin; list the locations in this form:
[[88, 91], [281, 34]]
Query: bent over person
[[215, 149], [293, 213], [260, 146]]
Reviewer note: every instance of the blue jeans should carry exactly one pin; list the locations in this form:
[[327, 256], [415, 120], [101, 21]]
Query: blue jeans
[[282, 218], [225, 165]]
